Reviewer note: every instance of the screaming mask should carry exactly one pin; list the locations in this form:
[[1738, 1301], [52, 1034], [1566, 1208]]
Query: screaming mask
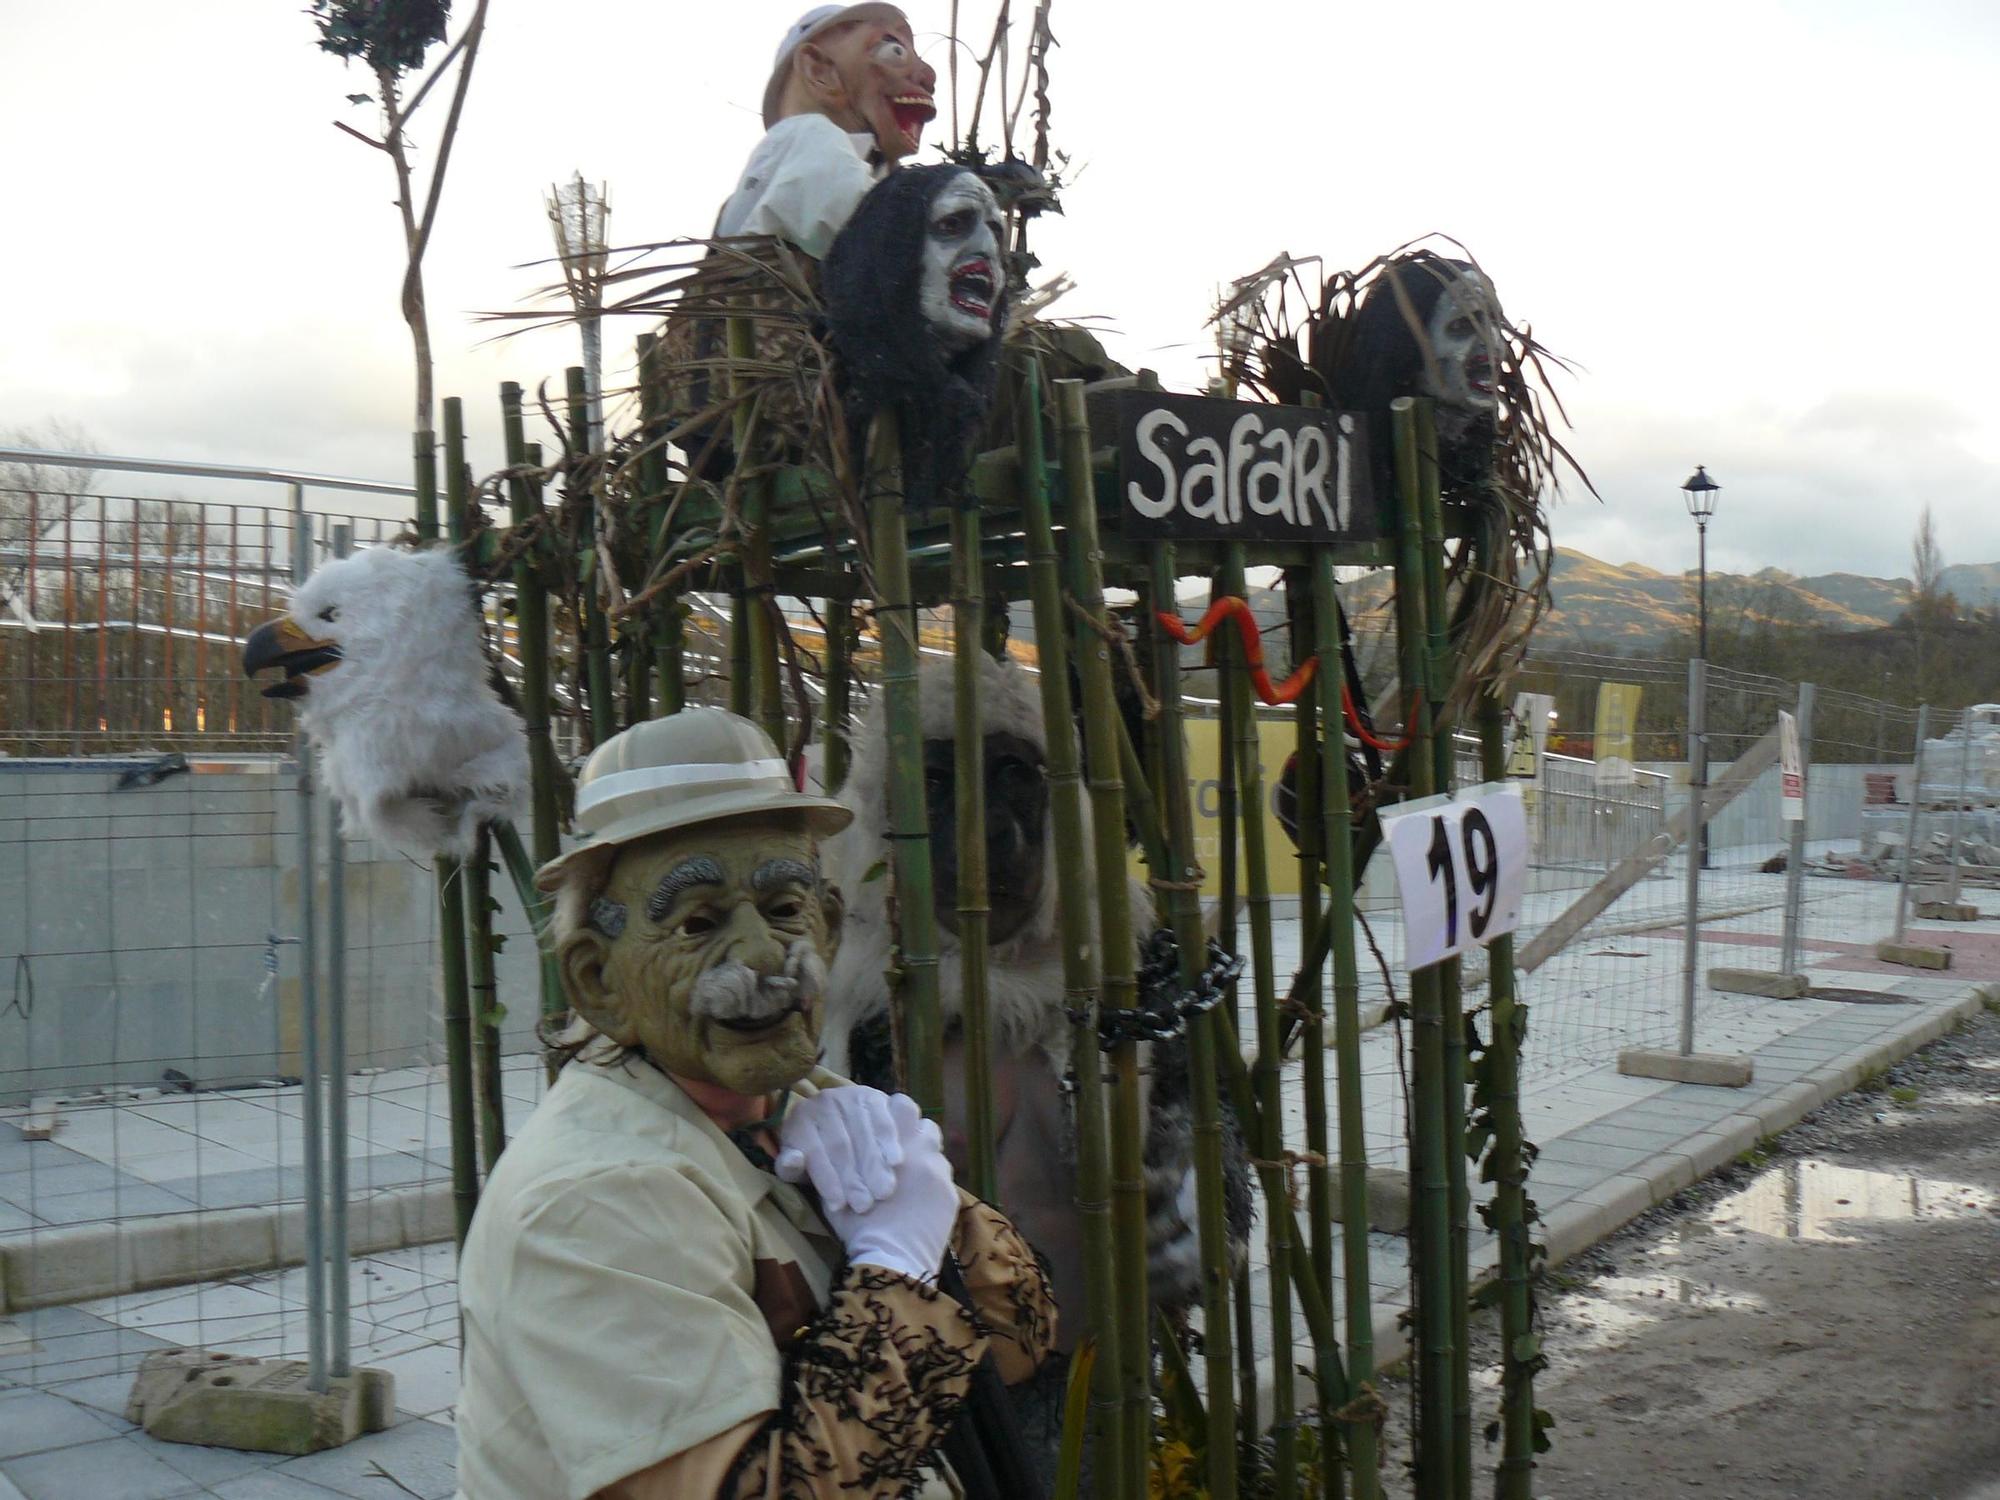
[[862, 71], [1462, 340], [961, 263]]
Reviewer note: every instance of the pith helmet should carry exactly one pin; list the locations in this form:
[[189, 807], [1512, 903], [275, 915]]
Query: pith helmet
[[697, 766]]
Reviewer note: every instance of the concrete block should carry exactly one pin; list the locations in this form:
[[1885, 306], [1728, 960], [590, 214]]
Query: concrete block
[[1758, 982], [1947, 911], [1715, 1069], [1913, 955], [1388, 1201], [262, 1406]]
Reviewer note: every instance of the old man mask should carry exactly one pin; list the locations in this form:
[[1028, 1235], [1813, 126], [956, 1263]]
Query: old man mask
[[859, 67], [694, 926]]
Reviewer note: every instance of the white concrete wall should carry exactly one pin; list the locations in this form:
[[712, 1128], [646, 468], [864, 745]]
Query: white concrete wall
[[133, 933]]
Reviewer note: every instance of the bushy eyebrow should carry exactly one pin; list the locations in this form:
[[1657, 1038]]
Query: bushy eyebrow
[[777, 872], [685, 876]]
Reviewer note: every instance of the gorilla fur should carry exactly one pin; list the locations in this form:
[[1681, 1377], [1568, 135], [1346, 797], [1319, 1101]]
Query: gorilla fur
[[889, 357], [413, 739], [1024, 975]]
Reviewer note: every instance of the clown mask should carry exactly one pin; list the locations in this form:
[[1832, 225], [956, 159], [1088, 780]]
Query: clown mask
[[865, 75], [707, 949], [1461, 333], [961, 263]]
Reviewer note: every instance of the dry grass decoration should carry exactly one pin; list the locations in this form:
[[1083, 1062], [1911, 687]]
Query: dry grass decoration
[[1288, 331]]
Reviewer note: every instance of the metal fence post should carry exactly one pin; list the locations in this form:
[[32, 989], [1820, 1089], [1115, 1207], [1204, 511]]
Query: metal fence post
[[1910, 827], [1696, 842], [312, 1125], [1795, 858], [336, 1065], [1959, 796]]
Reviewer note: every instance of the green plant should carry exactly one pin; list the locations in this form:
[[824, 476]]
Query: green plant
[[1905, 1094]]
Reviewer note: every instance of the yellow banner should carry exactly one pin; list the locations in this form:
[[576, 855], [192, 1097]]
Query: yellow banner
[[1613, 736], [1278, 739]]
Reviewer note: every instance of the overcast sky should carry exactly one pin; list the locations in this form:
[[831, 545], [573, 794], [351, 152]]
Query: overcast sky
[[1760, 230]]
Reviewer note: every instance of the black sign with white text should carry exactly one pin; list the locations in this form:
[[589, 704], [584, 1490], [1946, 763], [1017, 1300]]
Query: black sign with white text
[[1198, 467]]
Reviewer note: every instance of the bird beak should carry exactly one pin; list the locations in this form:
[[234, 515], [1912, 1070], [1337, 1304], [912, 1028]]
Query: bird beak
[[280, 643]]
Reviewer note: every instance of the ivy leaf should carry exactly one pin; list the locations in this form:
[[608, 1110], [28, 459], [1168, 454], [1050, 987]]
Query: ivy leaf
[[495, 1014], [499, 942], [360, 98], [876, 871], [1527, 1348]]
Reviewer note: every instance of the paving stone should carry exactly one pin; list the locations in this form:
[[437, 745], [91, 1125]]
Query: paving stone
[[207, 1467], [268, 1485], [421, 1455], [111, 1468], [31, 1421]]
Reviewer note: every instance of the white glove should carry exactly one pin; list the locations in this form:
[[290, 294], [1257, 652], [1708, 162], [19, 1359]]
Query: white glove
[[848, 1141], [908, 1228]]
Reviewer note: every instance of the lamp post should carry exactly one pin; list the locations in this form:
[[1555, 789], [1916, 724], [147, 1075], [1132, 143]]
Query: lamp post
[[1701, 493]]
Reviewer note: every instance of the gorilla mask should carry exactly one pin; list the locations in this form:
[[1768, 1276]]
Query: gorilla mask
[[1017, 810]]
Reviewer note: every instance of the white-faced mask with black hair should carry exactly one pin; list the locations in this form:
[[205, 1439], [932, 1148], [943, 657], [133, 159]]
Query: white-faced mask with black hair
[[961, 281], [1464, 345]]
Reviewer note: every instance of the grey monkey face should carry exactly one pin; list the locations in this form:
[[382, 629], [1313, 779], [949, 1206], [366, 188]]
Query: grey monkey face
[[961, 263], [1017, 808]]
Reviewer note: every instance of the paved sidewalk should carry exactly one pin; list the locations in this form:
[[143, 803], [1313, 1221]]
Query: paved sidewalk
[[1610, 1148]]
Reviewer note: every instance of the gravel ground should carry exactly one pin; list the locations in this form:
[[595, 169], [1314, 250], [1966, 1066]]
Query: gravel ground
[[1822, 1320]]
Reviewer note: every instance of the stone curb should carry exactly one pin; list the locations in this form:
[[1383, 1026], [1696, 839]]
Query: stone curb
[[54, 1267]]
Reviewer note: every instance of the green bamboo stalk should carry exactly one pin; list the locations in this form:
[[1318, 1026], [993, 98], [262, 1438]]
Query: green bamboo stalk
[[1179, 877], [1309, 990], [485, 1002], [968, 604], [457, 491], [839, 686], [601, 700], [1430, 1218], [1514, 1478], [1093, 1162], [664, 623], [1242, 722], [1336, 841], [531, 630], [519, 870], [915, 980], [457, 1045], [425, 457], [753, 662], [1451, 1003], [1117, 942]]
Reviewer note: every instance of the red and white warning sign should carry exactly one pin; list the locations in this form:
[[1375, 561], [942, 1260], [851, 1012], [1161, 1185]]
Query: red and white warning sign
[[1791, 770]]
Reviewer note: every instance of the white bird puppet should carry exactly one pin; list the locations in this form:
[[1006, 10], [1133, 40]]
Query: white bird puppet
[[382, 652]]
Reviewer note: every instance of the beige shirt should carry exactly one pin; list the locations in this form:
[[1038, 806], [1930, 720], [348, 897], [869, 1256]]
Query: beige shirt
[[623, 1289]]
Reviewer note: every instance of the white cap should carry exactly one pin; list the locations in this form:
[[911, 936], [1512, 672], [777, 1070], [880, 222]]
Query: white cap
[[814, 21]]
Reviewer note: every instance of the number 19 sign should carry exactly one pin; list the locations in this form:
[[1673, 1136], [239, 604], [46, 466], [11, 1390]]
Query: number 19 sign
[[1461, 864]]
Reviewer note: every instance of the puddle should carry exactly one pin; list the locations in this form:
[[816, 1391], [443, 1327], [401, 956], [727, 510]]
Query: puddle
[[1817, 1200], [1615, 1306]]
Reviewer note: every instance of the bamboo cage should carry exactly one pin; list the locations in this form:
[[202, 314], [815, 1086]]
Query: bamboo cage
[[614, 563]]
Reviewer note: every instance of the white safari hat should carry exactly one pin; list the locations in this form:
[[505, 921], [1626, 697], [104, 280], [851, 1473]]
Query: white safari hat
[[809, 25], [697, 766]]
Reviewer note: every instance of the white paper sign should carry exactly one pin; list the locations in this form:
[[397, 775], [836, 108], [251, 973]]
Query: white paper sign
[[1791, 770], [1461, 866]]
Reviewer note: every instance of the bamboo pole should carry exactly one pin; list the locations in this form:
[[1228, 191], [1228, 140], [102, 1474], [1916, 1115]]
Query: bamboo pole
[[968, 605], [1242, 722], [839, 686], [485, 1002], [1117, 944], [602, 701], [1093, 1163], [915, 981], [1451, 1001], [1514, 1478], [664, 619], [1179, 877], [522, 873], [531, 633], [1336, 842], [1430, 1204], [753, 651], [457, 1045]]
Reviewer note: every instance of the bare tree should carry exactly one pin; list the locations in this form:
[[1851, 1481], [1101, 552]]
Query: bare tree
[[35, 500], [390, 38], [1930, 600]]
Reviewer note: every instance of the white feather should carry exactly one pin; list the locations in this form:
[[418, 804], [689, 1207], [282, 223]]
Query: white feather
[[412, 737]]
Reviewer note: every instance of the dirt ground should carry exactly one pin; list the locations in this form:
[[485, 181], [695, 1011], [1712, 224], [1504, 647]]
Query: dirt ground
[[1823, 1323]]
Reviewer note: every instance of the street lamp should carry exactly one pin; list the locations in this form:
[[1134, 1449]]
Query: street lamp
[[1701, 493]]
